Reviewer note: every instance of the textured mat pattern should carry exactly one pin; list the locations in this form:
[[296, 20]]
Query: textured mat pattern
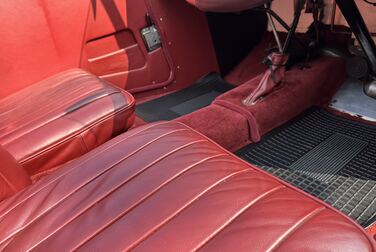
[[327, 156], [195, 97]]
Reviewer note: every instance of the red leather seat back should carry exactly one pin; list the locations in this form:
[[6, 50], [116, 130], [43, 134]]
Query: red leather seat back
[[227, 5], [13, 177], [61, 118]]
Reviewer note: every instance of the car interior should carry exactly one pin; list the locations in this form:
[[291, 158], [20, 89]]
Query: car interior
[[187, 125]]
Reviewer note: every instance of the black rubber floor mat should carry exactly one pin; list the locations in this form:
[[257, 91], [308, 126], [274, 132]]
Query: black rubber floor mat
[[195, 97], [327, 156]]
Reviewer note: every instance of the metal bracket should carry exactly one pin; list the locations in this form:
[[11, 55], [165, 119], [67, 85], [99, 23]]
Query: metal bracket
[[151, 38]]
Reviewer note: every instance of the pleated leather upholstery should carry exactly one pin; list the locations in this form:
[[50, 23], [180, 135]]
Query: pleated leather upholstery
[[61, 118], [164, 187]]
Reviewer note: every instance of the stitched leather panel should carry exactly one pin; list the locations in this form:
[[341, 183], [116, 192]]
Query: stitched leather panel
[[164, 187], [57, 115]]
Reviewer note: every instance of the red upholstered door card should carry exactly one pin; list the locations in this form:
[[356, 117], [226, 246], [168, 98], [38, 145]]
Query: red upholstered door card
[[40, 38], [114, 48]]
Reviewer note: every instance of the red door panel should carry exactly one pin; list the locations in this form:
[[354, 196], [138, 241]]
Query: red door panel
[[186, 34], [114, 48], [40, 38], [114, 53]]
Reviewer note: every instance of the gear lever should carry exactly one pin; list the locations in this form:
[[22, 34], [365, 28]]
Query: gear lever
[[276, 60]]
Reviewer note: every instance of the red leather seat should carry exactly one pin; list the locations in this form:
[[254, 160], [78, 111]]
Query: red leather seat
[[164, 187], [61, 118], [13, 177], [227, 5]]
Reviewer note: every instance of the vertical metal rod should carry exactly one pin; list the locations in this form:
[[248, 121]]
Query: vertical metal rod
[[275, 33], [291, 33]]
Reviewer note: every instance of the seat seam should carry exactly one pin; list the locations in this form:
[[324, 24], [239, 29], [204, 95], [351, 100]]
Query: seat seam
[[90, 79], [83, 143], [116, 188], [182, 172], [85, 183], [114, 113], [97, 98], [173, 178], [187, 205], [69, 171], [9, 184], [72, 136], [287, 185], [56, 109], [239, 213], [295, 227]]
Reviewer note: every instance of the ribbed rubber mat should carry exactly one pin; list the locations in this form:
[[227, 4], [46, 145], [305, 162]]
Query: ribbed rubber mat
[[327, 156], [324, 161]]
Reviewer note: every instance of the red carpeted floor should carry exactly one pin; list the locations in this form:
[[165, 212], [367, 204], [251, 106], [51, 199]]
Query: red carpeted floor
[[249, 68], [233, 125]]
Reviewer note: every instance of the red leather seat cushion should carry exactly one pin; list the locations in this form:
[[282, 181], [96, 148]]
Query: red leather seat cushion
[[164, 187], [227, 5], [61, 118], [13, 177]]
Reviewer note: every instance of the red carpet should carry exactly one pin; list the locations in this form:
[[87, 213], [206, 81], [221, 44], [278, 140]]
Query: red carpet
[[233, 125]]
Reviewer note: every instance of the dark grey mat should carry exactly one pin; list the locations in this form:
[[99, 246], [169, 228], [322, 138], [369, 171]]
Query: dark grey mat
[[327, 156], [185, 101]]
